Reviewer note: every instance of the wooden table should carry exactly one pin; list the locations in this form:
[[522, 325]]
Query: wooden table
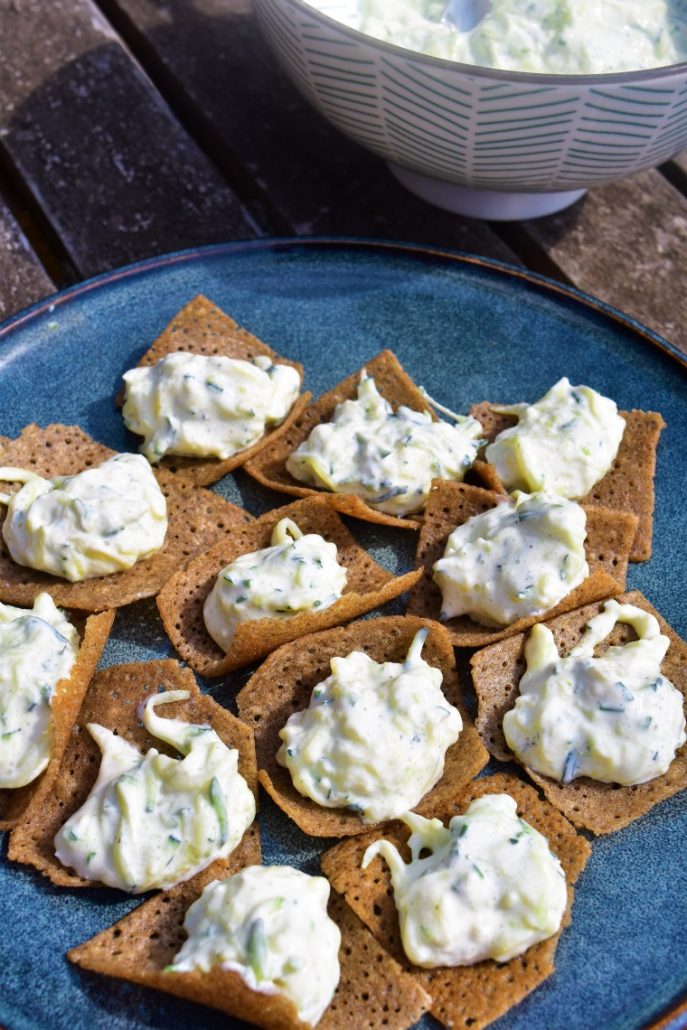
[[133, 127]]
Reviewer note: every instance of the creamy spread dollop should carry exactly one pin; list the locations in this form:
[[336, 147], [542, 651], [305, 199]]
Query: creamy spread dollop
[[374, 736], [270, 925], [297, 573], [490, 887], [150, 820], [206, 405], [387, 457], [614, 718], [564, 443], [91, 524], [515, 560], [559, 36], [38, 647]]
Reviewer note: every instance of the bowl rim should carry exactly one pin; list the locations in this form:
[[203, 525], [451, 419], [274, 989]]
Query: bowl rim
[[480, 71]]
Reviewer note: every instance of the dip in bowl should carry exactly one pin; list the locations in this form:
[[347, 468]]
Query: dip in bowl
[[489, 141]]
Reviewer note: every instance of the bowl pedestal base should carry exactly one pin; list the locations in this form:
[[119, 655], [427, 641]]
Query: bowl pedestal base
[[488, 204]]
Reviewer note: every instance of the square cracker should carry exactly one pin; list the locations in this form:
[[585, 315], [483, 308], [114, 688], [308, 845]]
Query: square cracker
[[181, 600], [629, 483], [373, 991], [284, 683], [66, 702], [609, 538], [197, 518], [394, 384], [599, 807], [203, 328], [466, 996], [113, 701]]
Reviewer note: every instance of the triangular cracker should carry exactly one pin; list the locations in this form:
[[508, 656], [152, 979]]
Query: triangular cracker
[[181, 600], [373, 990], [113, 701], [627, 486], [66, 702], [203, 328], [197, 518], [599, 807], [609, 538], [393, 383], [466, 996], [284, 682]]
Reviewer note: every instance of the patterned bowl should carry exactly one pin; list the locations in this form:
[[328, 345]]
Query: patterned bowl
[[478, 141]]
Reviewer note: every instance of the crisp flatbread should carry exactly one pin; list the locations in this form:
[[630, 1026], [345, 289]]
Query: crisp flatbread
[[203, 328], [182, 598], [373, 992], [599, 807], [627, 486], [609, 539], [197, 518], [113, 701], [393, 383], [284, 683], [66, 701], [464, 996]]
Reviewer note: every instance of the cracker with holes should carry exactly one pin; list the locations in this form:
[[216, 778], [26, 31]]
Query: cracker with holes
[[601, 807], [93, 631], [314, 581], [208, 406], [468, 995], [356, 437], [385, 704], [118, 699], [373, 990], [607, 546], [629, 483], [196, 519]]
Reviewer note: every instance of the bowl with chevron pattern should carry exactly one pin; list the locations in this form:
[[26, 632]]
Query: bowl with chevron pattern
[[479, 141]]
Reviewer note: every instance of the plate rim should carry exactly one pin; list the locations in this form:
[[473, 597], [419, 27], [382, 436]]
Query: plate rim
[[393, 248]]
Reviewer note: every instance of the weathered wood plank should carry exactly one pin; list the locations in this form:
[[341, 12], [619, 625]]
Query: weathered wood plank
[[210, 57], [115, 174], [23, 278], [627, 244]]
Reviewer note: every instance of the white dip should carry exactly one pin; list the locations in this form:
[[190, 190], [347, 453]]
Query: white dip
[[387, 457], [374, 736], [490, 888], [206, 406], [296, 574], [270, 925], [614, 718]]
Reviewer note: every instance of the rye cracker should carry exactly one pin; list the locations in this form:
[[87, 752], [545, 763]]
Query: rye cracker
[[203, 328], [93, 632], [284, 683], [181, 600], [465, 996], [629, 483], [197, 518], [609, 538], [113, 701], [394, 384], [599, 807], [373, 991]]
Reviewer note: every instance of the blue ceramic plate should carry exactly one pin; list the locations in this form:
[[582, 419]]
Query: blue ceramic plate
[[467, 330]]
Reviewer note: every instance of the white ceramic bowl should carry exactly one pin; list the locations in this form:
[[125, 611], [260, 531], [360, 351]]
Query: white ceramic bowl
[[479, 141]]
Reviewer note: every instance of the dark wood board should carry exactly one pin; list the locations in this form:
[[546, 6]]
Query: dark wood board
[[116, 175], [23, 279]]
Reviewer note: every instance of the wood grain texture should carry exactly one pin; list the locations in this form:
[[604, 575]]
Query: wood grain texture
[[627, 244], [212, 58], [23, 279], [114, 172]]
